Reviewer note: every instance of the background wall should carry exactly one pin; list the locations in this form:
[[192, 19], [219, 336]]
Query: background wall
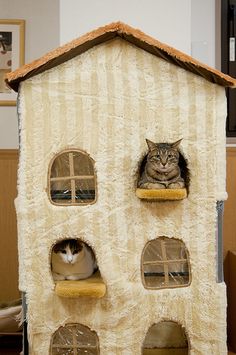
[[8, 232], [186, 25], [203, 31], [168, 21], [42, 35]]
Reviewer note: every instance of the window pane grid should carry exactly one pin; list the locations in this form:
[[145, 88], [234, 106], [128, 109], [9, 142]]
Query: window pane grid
[[75, 339], [67, 186], [73, 329], [72, 173], [157, 262], [77, 346], [76, 177], [164, 257], [170, 268]]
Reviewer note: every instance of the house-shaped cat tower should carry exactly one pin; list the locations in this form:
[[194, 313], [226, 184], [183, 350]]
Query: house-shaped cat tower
[[85, 110]]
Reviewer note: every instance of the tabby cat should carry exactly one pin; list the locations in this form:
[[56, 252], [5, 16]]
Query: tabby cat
[[72, 260], [161, 169]]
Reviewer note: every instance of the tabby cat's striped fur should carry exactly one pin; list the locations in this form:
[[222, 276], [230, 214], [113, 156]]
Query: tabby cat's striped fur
[[161, 169]]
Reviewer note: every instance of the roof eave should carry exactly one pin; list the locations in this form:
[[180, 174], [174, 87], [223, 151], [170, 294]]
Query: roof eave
[[106, 33]]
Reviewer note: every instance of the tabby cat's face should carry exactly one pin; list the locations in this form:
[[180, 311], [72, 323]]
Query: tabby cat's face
[[163, 157], [68, 250]]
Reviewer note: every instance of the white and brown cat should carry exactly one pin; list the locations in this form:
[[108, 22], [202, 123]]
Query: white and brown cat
[[161, 168], [72, 259]]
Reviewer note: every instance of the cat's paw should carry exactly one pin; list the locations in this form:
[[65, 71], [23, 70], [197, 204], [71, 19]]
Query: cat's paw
[[74, 277], [57, 277], [79, 276], [157, 186], [176, 185], [152, 185], [143, 185]]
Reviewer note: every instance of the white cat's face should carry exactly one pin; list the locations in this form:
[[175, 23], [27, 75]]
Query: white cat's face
[[69, 252], [68, 256]]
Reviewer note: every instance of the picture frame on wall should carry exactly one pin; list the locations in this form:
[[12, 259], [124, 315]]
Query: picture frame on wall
[[12, 51]]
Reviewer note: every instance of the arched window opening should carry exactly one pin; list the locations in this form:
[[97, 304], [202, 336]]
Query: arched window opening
[[75, 270], [75, 339], [165, 264], [72, 179], [167, 338], [72, 259]]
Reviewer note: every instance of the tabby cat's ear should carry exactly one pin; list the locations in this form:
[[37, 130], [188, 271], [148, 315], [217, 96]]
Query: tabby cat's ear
[[176, 144], [150, 144]]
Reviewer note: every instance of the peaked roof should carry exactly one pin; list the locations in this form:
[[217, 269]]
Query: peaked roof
[[111, 31]]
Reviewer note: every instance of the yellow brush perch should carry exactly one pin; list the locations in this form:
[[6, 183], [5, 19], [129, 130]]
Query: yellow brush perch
[[177, 351], [91, 287], [161, 194]]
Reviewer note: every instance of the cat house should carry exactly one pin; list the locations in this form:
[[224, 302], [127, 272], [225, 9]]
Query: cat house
[[85, 110]]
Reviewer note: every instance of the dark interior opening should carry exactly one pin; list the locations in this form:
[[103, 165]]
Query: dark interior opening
[[167, 338]]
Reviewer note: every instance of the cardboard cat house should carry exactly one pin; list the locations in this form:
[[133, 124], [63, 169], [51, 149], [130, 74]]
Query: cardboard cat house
[[85, 110]]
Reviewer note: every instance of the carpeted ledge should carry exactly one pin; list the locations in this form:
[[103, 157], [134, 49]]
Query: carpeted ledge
[[162, 194]]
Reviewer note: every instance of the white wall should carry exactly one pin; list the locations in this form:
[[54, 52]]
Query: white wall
[[187, 25], [168, 21], [42, 35], [203, 31]]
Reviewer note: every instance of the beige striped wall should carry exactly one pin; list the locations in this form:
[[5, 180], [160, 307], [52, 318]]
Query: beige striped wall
[[106, 102]]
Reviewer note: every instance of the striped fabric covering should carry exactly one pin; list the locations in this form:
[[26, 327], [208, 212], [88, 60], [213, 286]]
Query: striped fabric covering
[[106, 102]]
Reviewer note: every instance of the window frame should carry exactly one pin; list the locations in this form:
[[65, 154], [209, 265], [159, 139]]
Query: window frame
[[72, 177], [165, 262], [74, 346]]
